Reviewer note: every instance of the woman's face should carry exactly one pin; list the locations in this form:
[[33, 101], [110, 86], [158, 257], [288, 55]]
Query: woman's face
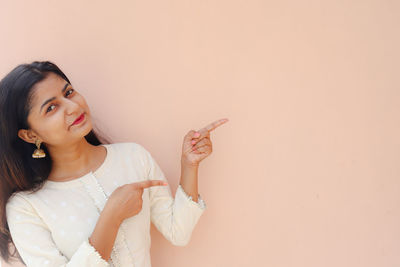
[[55, 106]]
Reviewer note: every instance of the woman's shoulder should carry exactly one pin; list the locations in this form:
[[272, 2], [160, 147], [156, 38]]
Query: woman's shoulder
[[19, 199], [127, 147], [21, 205], [129, 150]]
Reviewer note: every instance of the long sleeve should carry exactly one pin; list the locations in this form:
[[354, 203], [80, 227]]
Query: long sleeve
[[34, 242], [175, 217]]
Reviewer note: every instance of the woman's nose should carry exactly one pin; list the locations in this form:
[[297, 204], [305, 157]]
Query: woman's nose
[[71, 107]]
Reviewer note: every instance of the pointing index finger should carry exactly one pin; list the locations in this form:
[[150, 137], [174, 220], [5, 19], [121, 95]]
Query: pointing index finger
[[148, 183], [210, 127]]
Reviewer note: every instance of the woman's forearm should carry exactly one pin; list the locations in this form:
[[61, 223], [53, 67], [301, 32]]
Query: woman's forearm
[[104, 234], [196, 147], [189, 179]]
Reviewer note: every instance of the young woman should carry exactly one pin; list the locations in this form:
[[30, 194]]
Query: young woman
[[68, 199]]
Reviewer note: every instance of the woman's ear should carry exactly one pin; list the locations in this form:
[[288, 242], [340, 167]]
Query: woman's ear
[[27, 136]]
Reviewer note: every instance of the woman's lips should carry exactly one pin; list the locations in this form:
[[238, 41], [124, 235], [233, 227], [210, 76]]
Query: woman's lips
[[79, 119]]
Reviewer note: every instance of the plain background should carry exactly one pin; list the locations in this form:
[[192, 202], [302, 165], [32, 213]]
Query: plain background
[[305, 173]]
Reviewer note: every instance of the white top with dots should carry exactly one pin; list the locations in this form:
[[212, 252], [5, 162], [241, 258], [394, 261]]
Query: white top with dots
[[51, 227]]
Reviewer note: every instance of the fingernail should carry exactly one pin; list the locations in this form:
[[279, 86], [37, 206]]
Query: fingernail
[[164, 183], [197, 134], [193, 142]]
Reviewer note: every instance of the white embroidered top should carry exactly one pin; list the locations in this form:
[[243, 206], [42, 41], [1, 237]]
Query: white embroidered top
[[51, 227]]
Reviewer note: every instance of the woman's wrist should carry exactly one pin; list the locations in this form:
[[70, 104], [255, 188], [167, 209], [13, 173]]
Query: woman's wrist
[[185, 164], [189, 179]]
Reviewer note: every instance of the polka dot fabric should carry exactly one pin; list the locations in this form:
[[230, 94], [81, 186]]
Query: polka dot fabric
[[51, 227]]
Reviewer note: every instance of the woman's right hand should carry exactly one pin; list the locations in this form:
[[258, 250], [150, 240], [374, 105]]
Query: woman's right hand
[[126, 201]]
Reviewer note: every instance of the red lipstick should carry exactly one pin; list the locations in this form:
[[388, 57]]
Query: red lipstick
[[79, 119]]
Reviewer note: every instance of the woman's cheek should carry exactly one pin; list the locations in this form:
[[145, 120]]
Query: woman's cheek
[[57, 124]]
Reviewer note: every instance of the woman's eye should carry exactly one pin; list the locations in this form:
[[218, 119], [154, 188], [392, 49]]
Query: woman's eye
[[49, 108], [72, 90]]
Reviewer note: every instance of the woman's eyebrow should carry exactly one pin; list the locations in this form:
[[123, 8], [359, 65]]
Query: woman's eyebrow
[[51, 99]]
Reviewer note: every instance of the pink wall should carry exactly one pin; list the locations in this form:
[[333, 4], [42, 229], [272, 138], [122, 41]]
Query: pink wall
[[305, 173]]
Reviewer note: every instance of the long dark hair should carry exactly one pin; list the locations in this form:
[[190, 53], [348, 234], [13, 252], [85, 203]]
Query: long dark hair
[[18, 170]]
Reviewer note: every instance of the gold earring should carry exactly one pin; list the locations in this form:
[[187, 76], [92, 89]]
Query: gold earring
[[38, 153]]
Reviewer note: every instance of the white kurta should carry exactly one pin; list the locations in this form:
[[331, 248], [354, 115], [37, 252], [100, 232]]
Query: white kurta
[[51, 227]]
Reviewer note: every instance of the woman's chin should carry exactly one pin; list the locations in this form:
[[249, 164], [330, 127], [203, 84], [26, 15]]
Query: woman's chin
[[87, 127]]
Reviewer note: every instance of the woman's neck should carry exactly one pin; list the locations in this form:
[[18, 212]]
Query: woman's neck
[[74, 160]]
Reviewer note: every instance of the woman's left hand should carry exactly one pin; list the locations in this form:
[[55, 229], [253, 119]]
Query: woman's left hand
[[197, 144]]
